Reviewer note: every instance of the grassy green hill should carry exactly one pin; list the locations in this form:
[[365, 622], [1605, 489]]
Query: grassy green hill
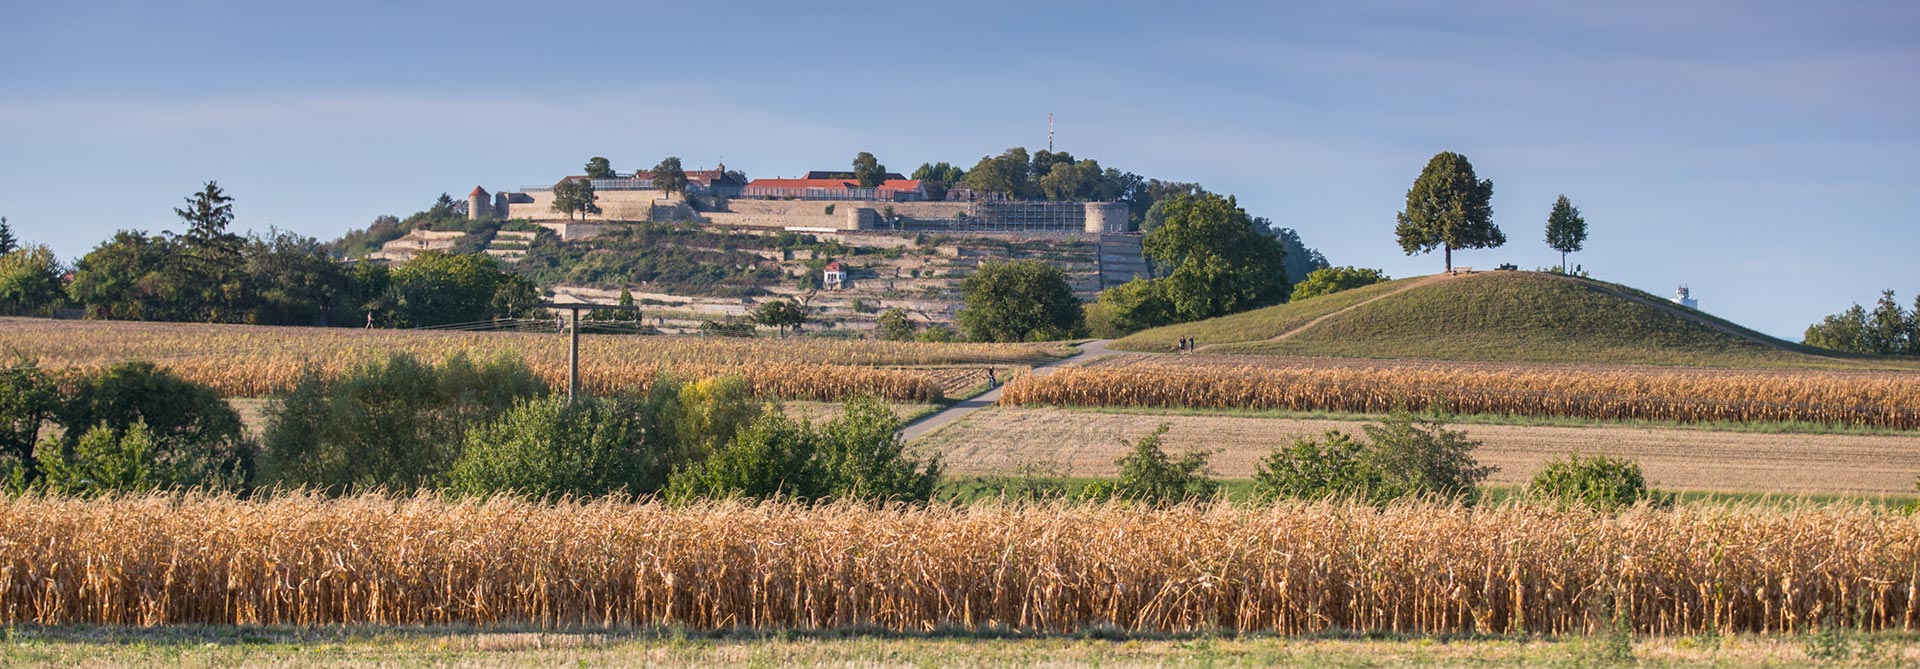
[[1499, 316]]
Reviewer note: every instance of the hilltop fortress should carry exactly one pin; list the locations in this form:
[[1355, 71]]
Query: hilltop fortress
[[902, 248], [818, 202]]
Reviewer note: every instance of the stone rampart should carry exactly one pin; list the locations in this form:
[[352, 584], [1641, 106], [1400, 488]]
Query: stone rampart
[[615, 205]]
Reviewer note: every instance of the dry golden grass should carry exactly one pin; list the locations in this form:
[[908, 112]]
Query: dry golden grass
[[249, 361], [1878, 399], [1415, 568]]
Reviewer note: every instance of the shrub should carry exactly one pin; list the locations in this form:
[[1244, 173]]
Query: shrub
[[1408, 455], [862, 457], [548, 447], [397, 423], [1314, 469], [858, 456], [1149, 475], [702, 416], [1135, 305], [1418, 455], [106, 461], [1597, 482], [1333, 280], [196, 437], [727, 328], [894, 325], [771, 458], [937, 334]]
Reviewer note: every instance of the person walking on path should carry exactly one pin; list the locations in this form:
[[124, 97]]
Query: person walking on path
[[992, 381]]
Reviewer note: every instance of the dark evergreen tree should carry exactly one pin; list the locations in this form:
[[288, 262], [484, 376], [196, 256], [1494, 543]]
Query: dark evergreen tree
[[599, 168], [868, 170]]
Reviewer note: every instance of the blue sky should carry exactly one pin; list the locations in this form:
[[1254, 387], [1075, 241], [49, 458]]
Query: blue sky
[[1766, 153]]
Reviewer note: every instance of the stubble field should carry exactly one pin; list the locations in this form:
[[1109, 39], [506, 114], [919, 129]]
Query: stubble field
[[255, 361], [1085, 442]]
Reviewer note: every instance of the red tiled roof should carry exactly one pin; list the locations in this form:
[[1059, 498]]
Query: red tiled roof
[[891, 184], [482, 192], [833, 266], [804, 183]]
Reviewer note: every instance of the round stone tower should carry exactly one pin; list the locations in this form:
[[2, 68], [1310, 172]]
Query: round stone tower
[[479, 205], [1106, 217]]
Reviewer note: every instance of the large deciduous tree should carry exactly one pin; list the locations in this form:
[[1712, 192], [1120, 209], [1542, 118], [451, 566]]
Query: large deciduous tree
[[1449, 207], [29, 280], [1566, 229], [1006, 174], [868, 171], [1022, 300], [669, 177], [436, 288], [780, 314], [1215, 260]]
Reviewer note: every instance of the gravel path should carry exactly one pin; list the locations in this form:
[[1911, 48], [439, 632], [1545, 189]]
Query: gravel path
[[925, 426]]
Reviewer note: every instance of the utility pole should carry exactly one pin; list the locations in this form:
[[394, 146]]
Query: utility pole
[[1049, 132], [573, 346]]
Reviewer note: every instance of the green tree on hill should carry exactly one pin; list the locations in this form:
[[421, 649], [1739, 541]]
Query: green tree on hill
[[599, 167], [1216, 261], [938, 178], [868, 170], [1887, 330], [575, 195], [1448, 208], [669, 177], [1006, 174], [1566, 229], [1021, 300], [780, 314]]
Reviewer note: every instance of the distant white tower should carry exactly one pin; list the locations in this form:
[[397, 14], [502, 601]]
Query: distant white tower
[[1684, 297]]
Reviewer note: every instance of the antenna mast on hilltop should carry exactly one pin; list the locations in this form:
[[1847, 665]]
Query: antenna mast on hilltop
[[1049, 132]]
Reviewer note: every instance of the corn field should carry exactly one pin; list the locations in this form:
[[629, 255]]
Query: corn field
[[249, 361], [1877, 399], [1293, 568]]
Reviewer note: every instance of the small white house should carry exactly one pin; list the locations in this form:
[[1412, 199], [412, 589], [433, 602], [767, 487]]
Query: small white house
[[1684, 297], [835, 276]]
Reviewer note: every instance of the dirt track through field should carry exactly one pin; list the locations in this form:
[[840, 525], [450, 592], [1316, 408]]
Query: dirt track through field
[[998, 440], [1309, 324]]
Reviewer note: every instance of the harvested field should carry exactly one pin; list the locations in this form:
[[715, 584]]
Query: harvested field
[[1415, 568], [251, 361], [998, 440], [1878, 399]]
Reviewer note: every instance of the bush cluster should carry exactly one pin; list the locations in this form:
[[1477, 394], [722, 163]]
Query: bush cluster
[[1406, 455], [490, 427], [128, 427]]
